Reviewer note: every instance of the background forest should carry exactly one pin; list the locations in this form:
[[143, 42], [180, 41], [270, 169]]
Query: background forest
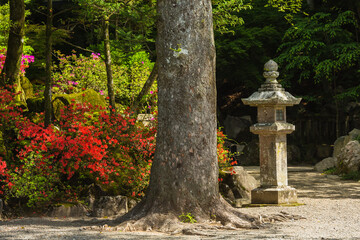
[[99, 70]]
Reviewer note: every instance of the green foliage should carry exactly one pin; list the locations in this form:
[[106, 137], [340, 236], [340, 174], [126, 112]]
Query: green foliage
[[352, 93], [225, 14], [321, 49], [292, 6], [36, 39], [138, 69], [5, 24], [240, 56], [133, 23], [351, 176], [187, 218], [88, 96], [138, 31], [34, 183], [74, 73], [98, 9], [330, 171]]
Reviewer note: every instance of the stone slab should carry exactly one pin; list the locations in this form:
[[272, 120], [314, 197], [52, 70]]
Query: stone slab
[[274, 195]]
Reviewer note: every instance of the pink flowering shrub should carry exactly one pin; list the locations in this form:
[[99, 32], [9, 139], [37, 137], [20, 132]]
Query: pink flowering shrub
[[25, 60], [74, 73]]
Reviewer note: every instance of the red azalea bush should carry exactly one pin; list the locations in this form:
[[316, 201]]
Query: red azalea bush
[[110, 150], [3, 170], [87, 145], [10, 116]]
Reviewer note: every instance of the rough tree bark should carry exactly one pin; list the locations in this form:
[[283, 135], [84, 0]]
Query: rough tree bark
[[11, 69], [110, 81], [48, 52], [184, 174]]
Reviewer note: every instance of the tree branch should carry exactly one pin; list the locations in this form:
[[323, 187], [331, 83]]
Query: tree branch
[[63, 11], [81, 48], [149, 82]]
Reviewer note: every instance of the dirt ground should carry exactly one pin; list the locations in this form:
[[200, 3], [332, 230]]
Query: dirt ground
[[331, 210]]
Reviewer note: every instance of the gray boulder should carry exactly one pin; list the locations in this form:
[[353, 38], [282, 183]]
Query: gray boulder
[[342, 141], [338, 145], [235, 126], [101, 205], [355, 133], [107, 206], [250, 155], [323, 151], [238, 186], [146, 119], [326, 163], [68, 210], [349, 158]]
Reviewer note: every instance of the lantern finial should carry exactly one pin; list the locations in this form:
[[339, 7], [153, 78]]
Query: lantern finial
[[270, 71]]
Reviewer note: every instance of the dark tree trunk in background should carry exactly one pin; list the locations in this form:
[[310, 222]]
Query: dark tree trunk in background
[[11, 70], [184, 174], [116, 28], [107, 52], [311, 4], [48, 52]]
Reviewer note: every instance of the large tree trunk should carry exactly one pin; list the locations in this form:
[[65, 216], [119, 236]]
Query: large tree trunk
[[11, 70], [185, 171], [48, 51], [107, 52], [184, 174]]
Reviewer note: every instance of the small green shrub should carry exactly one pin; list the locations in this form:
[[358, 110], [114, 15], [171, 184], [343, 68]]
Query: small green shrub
[[187, 218], [351, 176], [332, 170]]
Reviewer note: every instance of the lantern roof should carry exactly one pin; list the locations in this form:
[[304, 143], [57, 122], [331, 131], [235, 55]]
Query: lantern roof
[[271, 92]]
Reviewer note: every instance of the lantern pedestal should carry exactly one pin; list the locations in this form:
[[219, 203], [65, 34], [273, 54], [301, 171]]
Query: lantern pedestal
[[276, 195]]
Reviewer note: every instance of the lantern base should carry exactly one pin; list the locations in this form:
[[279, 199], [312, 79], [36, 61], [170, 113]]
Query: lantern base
[[274, 195]]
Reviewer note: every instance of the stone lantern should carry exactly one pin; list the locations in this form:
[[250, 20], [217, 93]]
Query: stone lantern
[[271, 100]]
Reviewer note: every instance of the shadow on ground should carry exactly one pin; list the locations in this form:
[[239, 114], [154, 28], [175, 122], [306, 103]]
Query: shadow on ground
[[316, 185], [311, 184]]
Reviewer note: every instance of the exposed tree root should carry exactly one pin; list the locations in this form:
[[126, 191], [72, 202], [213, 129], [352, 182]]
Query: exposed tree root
[[223, 217], [170, 223]]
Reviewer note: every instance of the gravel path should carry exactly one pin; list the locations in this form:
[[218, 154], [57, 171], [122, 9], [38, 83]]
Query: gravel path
[[331, 208]]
